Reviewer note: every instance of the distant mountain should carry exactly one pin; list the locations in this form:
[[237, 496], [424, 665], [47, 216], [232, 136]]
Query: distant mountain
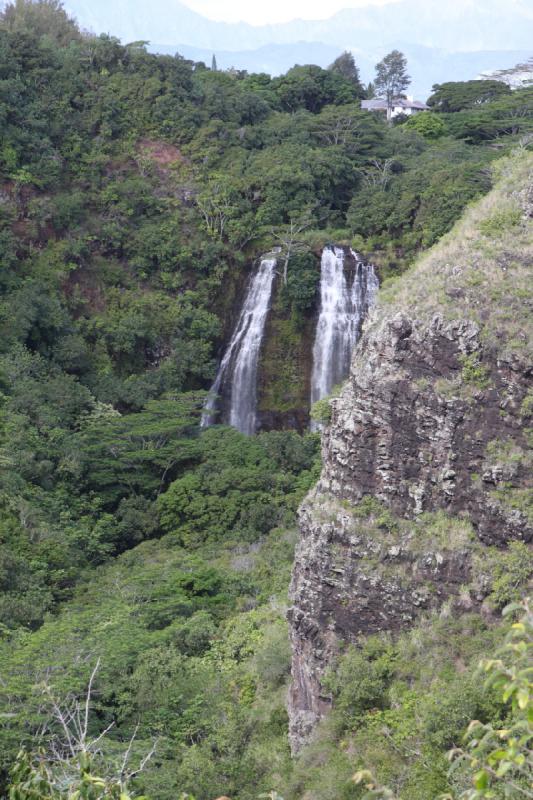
[[452, 40], [466, 25], [272, 58], [164, 21]]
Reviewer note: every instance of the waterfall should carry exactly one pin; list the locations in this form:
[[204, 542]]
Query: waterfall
[[343, 304], [237, 374]]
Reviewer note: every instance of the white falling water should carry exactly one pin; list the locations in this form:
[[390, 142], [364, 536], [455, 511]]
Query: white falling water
[[342, 308], [237, 374]]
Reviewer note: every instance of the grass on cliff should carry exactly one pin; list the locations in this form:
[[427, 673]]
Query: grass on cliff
[[481, 269]]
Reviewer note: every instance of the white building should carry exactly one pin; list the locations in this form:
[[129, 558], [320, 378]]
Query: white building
[[401, 105]]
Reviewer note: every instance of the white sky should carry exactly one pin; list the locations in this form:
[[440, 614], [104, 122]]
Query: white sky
[[259, 12]]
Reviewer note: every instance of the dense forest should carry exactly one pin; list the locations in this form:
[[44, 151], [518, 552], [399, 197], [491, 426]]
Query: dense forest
[[136, 191]]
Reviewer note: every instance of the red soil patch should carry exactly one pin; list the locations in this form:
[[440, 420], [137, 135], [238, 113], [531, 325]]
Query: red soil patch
[[161, 153], [84, 285]]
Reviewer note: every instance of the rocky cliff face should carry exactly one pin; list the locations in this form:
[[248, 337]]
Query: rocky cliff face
[[426, 461]]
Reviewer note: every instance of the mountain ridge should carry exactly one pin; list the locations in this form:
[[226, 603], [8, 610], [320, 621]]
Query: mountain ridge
[[455, 26]]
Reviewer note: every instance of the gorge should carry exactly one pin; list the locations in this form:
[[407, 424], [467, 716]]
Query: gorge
[[147, 631]]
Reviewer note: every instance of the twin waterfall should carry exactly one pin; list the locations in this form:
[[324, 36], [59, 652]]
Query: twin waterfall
[[237, 374], [346, 293]]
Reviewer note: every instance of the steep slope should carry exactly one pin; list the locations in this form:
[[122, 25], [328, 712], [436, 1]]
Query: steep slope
[[426, 459]]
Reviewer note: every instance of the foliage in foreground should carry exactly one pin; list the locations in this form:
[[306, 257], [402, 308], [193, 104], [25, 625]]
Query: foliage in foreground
[[497, 761]]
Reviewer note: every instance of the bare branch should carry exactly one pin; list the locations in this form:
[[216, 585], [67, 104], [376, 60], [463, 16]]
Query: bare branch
[[128, 752], [88, 698]]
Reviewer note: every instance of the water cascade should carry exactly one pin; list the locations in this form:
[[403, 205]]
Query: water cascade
[[344, 302], [237, 375]]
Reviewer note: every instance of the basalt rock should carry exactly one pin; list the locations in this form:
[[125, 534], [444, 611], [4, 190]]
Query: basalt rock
[[409, 431]]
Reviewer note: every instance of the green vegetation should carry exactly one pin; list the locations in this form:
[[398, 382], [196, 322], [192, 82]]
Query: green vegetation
[[321, 410], [135, 188], [474, 372], [480, 271], [496, 761], [135, 192], [460, 95], [191, 639], [399, 709], [428, 125], [501, 222]]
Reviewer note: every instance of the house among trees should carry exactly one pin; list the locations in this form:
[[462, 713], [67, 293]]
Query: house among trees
[[400, 105]]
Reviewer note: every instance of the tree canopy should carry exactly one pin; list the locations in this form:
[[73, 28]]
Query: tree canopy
[[460, 95], [345, 65]]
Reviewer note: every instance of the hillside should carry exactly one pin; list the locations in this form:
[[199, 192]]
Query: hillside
[[427, 65], [140, 195], [190, 628]]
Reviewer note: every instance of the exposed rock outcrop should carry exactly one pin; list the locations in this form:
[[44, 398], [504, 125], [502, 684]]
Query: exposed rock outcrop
[[425, 463]]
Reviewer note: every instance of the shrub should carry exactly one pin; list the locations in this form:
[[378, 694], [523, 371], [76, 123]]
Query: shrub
[[429, 125]]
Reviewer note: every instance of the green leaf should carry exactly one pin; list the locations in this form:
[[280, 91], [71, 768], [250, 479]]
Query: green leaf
[[481, 780]]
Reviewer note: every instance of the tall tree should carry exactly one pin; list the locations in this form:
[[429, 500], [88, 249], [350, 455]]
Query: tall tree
[[391, 78], [370, 90], [345, 65]]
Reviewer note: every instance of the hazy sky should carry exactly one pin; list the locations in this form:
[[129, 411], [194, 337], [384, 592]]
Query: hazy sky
[[259, 12]]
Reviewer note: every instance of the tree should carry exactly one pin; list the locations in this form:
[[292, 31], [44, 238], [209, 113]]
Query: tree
[[430, 126], [500, 760], [312, 88], [342, 125], [135, 453], [392, 78], [44, 18], [288, 239], [458, 95], [70, 767], [345, 65], [378, 173]]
